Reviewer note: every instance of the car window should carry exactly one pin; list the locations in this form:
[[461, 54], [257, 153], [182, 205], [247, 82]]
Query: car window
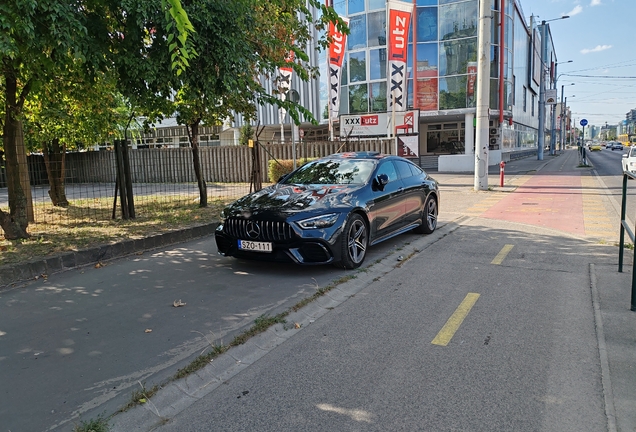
[[632, 152], [403, 169], [332, 171], [388, 168], [416, 170]]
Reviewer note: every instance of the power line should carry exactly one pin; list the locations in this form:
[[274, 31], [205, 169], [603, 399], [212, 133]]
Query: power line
[[599, 76]]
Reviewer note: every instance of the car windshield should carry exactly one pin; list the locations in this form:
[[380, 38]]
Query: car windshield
[[333, 171]]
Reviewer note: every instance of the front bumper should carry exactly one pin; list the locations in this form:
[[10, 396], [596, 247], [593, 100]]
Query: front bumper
[[305, 247]]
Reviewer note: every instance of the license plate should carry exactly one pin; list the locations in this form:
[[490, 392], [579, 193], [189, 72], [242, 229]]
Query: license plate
[[253, 246]]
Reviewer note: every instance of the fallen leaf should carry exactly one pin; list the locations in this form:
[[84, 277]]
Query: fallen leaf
[[148, 331], [142, 400], [98, 265], [3, 248], [139, 253], [178, 303], [296, 325]]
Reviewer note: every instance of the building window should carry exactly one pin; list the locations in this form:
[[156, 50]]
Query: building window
[[357, 66], [357, 32], [427, 24], [377, 29], [377, 64], [356, 6], [525, 99], [358, 99], [532, 107], [458, 20], [378, 97]]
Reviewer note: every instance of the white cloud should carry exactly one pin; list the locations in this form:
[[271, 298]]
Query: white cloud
[[595, 3], [597, 48], [577, 10]]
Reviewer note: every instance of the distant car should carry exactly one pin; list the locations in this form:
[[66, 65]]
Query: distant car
[[629, 160], [330, 210], [617, 146], [609, 145], [595, 147]]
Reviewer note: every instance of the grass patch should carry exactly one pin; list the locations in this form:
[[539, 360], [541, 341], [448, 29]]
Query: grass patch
[[59, 230], [100, 424], [139, 397]]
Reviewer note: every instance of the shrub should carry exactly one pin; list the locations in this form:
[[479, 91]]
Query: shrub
[[278, 168]]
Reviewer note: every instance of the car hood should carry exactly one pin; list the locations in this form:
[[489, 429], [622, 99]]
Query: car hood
[[291, 198]]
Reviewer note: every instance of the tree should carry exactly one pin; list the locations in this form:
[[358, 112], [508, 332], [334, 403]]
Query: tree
[[40, 38], [239, 43], [35, 38], [64, 114]]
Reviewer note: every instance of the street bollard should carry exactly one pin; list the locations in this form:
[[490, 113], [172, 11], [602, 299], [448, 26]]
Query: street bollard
[[502, 164]]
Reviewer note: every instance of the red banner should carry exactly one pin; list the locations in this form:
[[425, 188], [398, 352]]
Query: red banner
[[398, 29], [336, 58]]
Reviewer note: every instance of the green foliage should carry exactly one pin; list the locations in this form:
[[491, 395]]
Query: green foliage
[[247, 133], [278, 168], [94, 425], [178, 24]]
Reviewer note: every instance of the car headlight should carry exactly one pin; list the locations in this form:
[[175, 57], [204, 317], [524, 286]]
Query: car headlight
[[323, 221]]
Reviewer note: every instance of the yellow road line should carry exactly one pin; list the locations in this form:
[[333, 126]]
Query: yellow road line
[[448, 331], [502, 254]]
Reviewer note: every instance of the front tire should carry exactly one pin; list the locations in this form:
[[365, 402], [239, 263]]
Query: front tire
[[429, 217], [355, 239]]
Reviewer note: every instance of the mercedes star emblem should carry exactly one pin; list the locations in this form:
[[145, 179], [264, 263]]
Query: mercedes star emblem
[[253, 230]]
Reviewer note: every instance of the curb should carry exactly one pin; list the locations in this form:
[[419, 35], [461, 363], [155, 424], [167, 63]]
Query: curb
[[14, 273]]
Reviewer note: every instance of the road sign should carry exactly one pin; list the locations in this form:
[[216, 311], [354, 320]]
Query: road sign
[[583, 122]]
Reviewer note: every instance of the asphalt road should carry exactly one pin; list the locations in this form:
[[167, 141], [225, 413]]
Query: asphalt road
[[524, 359], [75, 344], [607, 164]]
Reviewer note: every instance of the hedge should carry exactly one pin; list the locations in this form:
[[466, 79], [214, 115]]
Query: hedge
[[278, 168]]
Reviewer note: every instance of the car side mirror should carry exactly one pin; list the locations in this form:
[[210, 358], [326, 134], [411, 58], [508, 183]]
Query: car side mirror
[[625, 155], [381, 180]]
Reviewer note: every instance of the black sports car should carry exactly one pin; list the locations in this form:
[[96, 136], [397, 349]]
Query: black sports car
[[330, 210]]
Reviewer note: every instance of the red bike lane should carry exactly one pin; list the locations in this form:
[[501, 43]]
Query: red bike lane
[[549, 200]]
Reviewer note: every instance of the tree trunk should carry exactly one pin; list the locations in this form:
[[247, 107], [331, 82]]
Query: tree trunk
[[196, 160], [15, 222], [54, 158]]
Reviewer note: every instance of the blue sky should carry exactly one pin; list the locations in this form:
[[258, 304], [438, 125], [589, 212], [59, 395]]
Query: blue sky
[[599, 38]]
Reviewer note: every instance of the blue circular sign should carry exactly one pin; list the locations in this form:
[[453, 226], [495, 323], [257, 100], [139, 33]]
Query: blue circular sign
[[583, 122]]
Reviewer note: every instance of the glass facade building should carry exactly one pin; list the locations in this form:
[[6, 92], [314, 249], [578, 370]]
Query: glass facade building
[[441, 70]]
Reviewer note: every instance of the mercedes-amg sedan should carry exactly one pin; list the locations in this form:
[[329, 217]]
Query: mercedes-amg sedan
[[331, 210]]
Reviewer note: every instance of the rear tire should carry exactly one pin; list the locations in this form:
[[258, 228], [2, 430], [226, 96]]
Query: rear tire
[[429, 217], [355, 240]]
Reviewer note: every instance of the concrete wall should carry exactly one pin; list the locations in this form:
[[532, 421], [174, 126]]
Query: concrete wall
[[466, 163]]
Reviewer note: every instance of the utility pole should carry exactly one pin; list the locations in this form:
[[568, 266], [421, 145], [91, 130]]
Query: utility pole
[[483, 96], [541, 138]]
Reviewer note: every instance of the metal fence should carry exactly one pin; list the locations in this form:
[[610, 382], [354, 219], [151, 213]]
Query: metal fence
[[165, 176]]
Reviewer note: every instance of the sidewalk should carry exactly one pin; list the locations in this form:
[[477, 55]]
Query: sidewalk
[[608, 289]]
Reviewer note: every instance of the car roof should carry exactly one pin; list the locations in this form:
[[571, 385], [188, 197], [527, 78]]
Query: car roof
[[358, 155]]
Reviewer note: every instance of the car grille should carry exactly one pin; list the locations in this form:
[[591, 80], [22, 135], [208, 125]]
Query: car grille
[[267, 230]]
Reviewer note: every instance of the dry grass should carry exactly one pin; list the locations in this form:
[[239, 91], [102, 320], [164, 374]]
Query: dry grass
[[66, 229]]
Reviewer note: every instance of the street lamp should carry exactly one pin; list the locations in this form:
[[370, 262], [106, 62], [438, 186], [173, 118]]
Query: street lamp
[[553, 120], [566, 109], [544, 48], [561, 118]]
